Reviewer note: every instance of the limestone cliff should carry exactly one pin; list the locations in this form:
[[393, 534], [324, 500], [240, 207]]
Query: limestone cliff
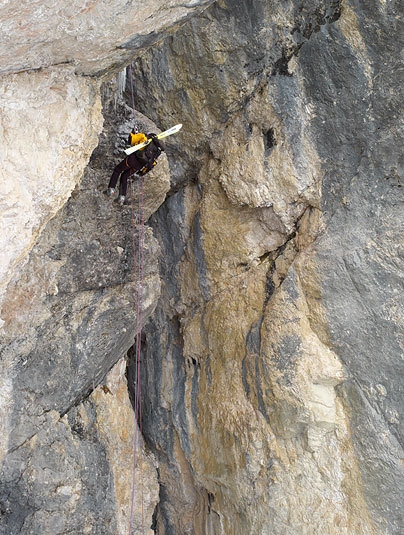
[[271, 299]]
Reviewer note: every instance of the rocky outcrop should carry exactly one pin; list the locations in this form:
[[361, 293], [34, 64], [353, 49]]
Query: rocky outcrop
[[51, 116], [270, 299], [67, 268], [92, 37], [49, 125]]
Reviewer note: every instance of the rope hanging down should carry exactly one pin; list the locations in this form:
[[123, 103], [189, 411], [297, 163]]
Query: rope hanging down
[[138, 272], [138, 268], [138, 258], [133, 94]]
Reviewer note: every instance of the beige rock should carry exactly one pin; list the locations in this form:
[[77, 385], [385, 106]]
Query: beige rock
[[235, 238], [89, 35], [272, 441], [262, 433], [309, 420], [49, 126], [121, 436], [264, 164]]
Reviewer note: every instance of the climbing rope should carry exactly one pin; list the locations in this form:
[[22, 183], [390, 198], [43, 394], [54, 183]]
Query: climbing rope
[[138, 272], [132, 93], [138, 269]]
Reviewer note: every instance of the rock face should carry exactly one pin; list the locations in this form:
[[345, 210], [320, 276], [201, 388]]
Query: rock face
[[48, 46], [49, 126], [92, 37], [281, 317], [70, 314], [271, 297]]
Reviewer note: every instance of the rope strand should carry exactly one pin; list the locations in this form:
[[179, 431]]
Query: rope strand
[[132, 93], [138, 269], [138, 272], [139, 336]]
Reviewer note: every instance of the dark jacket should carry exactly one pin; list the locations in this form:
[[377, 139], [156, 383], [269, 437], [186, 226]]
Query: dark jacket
[[148, 156]]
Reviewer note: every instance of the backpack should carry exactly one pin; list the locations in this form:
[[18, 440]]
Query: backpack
[[152, 151]]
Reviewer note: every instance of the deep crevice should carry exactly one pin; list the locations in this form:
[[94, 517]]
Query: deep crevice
[[281, 66], [269, 141]]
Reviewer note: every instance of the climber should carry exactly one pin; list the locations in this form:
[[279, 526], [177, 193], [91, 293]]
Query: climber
[[140, 162]]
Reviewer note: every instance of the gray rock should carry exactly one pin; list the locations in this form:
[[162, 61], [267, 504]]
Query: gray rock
[[71, 314], [272, 345]]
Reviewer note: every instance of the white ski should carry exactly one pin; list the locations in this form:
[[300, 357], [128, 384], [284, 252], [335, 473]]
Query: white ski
[[166, 133]]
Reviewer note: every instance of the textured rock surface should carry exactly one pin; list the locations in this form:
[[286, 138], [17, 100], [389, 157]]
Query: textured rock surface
[[272, 354], [70, 314], [282, 321], [50, 118], [115, 424], [92, 36], [49, 126]]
